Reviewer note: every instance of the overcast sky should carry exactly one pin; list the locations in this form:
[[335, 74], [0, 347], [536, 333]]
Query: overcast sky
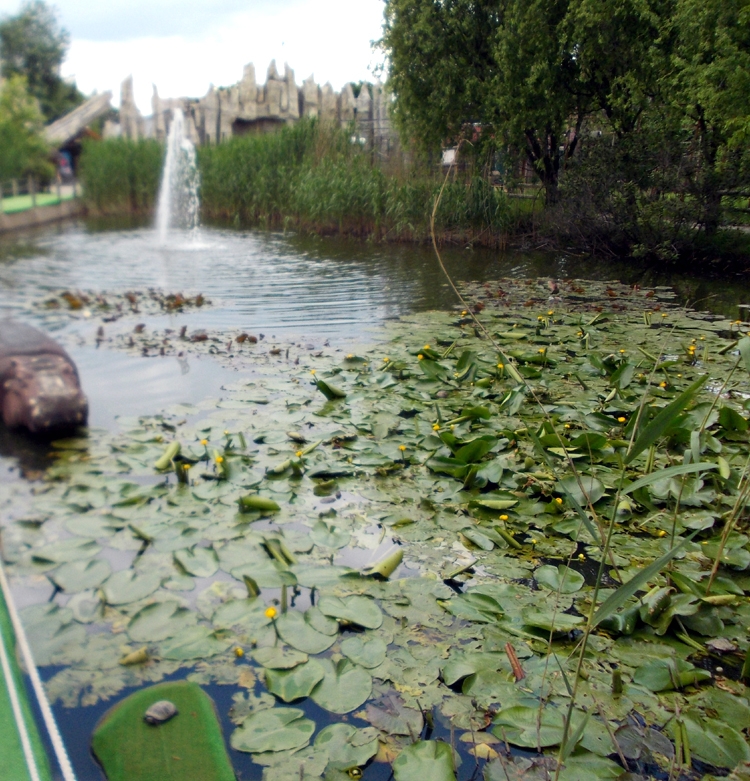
[[183, 46]]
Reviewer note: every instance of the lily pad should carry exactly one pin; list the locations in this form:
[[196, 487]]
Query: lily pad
[[295, 683], [295, 631], [715, 742], [425, 759], [358, 610], [346, 745], [200, 562], [81, 575], [277, 657], [129, 586], [561, 579], [327, 535], [159, 621], [344, 687], [194, 642], [274, 729], [590, 489], [364, 651]]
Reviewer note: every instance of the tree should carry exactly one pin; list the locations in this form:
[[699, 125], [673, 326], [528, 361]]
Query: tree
[[23, 150], [442, 62], [33, 45]]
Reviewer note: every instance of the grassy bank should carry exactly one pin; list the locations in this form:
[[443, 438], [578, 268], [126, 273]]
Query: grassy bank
[[310, 178]]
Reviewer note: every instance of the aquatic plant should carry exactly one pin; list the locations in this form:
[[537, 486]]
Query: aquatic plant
[[569, 506]]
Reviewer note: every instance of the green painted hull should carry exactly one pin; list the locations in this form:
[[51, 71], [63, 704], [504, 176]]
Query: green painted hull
[[13, 766]]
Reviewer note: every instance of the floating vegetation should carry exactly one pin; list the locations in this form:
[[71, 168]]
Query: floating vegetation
[[112, 306], [538, 538]]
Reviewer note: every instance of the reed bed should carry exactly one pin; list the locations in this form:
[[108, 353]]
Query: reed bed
[[121, 176], [307, 177]]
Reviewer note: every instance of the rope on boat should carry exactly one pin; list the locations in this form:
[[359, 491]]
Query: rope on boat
[[36, 682]]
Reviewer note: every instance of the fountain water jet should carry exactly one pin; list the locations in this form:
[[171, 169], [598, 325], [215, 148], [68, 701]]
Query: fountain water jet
[[179, 204]]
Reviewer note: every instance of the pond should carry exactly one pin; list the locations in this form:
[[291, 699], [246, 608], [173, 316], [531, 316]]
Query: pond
[[312, 304]]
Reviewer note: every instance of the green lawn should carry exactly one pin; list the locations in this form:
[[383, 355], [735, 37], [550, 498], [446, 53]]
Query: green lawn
[[21, 203]]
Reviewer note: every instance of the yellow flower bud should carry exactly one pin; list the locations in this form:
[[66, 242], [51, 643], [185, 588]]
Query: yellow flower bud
[[558, 500], [436, 427], [271, 612], [402, 448], [621, 420], [238, 652], [298, 454], [204, 442], [503, 517], [219, 459], [420, 357]]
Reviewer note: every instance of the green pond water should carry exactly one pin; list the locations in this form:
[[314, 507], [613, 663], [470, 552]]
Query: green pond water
[[485, 475]]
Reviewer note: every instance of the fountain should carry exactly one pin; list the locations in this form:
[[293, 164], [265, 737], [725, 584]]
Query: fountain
[[179, 204]]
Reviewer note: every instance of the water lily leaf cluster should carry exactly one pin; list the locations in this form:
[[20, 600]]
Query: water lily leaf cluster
[[532, 531]]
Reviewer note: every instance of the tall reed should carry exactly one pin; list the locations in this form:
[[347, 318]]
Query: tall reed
[[308, 177], [120, 175]]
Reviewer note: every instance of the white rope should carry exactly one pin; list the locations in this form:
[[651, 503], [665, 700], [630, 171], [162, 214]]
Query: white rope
[[23, 732], [36, 682]]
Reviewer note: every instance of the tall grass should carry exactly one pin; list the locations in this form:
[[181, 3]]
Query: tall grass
[[121, 176], [307, 177]]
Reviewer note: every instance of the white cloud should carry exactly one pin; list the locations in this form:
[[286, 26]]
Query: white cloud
[[183, 46]]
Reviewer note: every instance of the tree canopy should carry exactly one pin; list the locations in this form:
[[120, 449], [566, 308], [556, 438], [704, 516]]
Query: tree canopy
[[23, 151], [33, 45], [543, 77]]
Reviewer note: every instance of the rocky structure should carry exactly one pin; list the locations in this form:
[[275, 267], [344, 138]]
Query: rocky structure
[[249, 107]]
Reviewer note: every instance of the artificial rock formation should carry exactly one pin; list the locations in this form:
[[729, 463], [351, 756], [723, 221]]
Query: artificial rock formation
[[248, 107]]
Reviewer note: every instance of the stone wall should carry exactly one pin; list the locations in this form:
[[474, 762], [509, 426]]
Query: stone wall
[[249, 107]]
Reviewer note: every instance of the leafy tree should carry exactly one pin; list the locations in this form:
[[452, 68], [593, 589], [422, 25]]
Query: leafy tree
[[33, 45], [23, 150], [442, 63]]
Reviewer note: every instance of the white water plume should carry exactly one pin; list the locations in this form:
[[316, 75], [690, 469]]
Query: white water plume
[[179, 204]]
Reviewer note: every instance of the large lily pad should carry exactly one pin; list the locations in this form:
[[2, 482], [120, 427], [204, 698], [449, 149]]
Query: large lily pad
[[561, 578], [425, 759], [295, 631], [296, 683], [201, 562], [194, 642], [345, 686], [346, 745], [275, 729], [159, 621], [129, 586], [358, 610], [364, 651], [81, 575]]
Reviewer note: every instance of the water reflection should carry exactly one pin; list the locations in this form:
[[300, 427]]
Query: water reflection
[[296, 285]]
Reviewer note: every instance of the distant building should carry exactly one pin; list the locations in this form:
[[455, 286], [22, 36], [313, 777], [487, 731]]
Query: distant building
[[248, 107]]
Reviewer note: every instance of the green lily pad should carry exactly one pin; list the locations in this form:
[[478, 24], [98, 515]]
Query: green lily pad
[[344, 687], [664, 674], [295, 631], [327, 535], [358, 610], [194, 642], [522, 726], [159, 621], [364, 651], [548, 621], [295, 683], [346, 745], [425, 759], [561, 579], [321, 623], [245, 613], [715, 742], [277, 657], [129, 586], [589, 487], [73, 549], [200, 562], [318, 576], [274, 729], [81, 575]]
